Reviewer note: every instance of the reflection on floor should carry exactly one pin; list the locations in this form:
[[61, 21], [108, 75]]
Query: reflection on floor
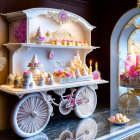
[[62, 127]]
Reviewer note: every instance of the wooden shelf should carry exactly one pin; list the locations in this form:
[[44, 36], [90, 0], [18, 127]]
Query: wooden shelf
[[21, 91], [31, 45]]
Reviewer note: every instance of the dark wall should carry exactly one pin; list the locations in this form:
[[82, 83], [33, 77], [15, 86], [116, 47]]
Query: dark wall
[[104, 14]]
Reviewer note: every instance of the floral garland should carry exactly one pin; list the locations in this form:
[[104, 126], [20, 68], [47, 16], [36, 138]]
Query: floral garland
[[20, 31]]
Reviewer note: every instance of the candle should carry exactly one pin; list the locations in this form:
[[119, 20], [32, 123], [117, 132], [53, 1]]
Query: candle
[[96, 66], [90, 67]]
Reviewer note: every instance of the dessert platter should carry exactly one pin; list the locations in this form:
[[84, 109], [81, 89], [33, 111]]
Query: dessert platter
[[48, 49], [118, 119]]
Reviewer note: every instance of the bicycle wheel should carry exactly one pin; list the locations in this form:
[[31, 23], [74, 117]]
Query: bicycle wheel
[[30, 116], [128, 103], [89, 101]]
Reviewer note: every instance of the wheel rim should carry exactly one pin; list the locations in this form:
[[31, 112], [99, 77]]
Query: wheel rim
[[62, 107], [87, 108], [128, 103], [86, 128], [66, 135], [30, 116]]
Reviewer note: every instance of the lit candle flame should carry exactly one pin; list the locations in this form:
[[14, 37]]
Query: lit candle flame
[[96, 65], [90, 62]]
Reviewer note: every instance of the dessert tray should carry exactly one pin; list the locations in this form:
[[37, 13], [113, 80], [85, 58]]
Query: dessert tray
[[118, 119]]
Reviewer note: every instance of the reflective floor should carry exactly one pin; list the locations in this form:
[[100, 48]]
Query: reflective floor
[[70, 126]]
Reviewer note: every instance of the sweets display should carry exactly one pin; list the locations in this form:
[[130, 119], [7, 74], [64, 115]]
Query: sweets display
[[119, 118], [34, 62], [28, 80], [75, 72], [39, 37], [70, 43], [131, 76]]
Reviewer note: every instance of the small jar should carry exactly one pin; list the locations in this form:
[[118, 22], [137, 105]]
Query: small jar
[[17, 82], [10, 80], [41, 81], [51, 81]]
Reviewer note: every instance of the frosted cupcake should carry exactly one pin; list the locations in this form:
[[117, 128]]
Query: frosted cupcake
[[64, 42], [69, 43], [85, 43], [27, 75], [57, 42]]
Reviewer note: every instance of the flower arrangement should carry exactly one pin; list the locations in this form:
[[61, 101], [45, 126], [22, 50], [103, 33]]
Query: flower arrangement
[[20, 31]]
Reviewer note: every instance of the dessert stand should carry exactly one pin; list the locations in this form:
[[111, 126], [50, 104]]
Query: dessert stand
[[32, 113], [129, 66]]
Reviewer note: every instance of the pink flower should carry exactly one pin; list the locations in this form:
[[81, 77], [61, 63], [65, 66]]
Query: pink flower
[[68, 75], [20, 31], [96, 75], [41, 38], [35, 64], [132, 69], [121, 76], [60, 71], [135, 74], [112, 118]]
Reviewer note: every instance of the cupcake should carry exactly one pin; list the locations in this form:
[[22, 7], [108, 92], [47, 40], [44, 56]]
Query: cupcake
[[77, 43], [69, 43], [81, 43], [73, 42], [64, 42], [27, 75], [57, 42], [85, 43]]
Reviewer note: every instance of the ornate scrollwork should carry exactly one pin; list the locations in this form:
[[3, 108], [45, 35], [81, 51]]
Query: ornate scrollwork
[[135, 21], [62, 17], [2, 61]]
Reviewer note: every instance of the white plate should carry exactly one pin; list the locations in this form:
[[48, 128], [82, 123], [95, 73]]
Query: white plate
[[120, 123]]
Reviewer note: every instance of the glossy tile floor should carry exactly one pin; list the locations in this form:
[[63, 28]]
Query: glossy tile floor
[[60, 126]]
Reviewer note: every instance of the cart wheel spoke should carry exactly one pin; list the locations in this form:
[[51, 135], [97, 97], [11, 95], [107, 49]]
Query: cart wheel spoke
[[87, 105], [30, 116], [128, 103]]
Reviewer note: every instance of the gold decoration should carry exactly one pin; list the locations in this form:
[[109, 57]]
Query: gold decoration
[[133, 21], [62, 34], [128, 103], [56, 16]]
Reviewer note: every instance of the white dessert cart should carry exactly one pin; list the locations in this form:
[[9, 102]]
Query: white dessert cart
[[32, 113]]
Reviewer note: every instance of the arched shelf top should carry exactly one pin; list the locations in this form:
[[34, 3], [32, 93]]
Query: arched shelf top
[[49, 12]]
